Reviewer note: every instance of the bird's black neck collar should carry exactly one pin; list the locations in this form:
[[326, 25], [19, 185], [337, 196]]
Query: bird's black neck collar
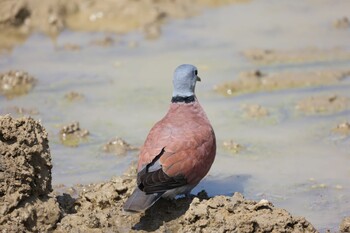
[[183, 99]]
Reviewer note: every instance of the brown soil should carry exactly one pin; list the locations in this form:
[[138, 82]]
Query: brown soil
[[326, 104], [19, 18], [16, 83], [72, 135], [118, 146], [28, 206], [256, 81], [266, 56]]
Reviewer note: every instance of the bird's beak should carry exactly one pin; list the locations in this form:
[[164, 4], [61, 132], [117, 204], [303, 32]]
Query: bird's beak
[[198, 79]]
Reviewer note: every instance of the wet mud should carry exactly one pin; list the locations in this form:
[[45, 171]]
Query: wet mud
[[307, 55], [323, 104], [29, 205], [257, 81], [20, 18]]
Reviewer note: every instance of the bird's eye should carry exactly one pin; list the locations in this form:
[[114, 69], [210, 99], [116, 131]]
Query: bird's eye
[[196, 72]]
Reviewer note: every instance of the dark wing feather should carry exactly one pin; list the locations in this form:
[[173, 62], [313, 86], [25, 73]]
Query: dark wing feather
[[157, 181]]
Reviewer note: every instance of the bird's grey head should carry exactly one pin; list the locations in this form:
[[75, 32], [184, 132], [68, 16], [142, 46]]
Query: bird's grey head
[[184, 81]]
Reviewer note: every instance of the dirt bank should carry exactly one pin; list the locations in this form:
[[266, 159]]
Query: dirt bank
[[25, 177], [27, 204], [20, 18]]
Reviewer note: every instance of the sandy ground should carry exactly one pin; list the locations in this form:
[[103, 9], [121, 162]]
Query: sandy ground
[[29, 205]]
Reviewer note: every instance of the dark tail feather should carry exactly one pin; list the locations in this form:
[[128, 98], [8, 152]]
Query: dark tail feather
[[140, 201]]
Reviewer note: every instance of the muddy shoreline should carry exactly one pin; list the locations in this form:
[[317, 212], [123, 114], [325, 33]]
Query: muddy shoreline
[[18, 19], [28, 203]]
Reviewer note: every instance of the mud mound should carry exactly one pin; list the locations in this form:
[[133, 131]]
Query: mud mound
[[236, 214], [15, 83], [25, 177], [118, 146], [99, 209], [72, 135]]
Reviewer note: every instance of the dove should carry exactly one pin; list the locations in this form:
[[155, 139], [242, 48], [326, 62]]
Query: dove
[[179, 149]]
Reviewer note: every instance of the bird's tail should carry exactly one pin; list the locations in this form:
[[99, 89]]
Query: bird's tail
[[140, 201]]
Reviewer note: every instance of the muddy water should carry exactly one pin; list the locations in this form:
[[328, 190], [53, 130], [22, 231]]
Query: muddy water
[[290, 158]]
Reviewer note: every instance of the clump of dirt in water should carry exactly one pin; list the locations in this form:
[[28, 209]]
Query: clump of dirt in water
[[72, 135], [256, 81], [118, 146], [255, 111], [342, 23], [25, 177], [15, 83], [73, 96], [232, 146], [325, 104], [343, 128]]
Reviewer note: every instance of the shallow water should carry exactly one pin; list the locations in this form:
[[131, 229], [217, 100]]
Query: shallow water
[[290, 159]]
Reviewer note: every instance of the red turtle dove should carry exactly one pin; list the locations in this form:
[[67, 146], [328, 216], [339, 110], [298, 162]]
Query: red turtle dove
[[178, 151]]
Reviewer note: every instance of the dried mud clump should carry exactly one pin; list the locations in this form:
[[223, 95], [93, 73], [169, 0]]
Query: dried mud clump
[[118, 146], [72, 135], [266, 56], [236, 214], [15, 83], [256, 81], [25, 177], [323, 104]]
